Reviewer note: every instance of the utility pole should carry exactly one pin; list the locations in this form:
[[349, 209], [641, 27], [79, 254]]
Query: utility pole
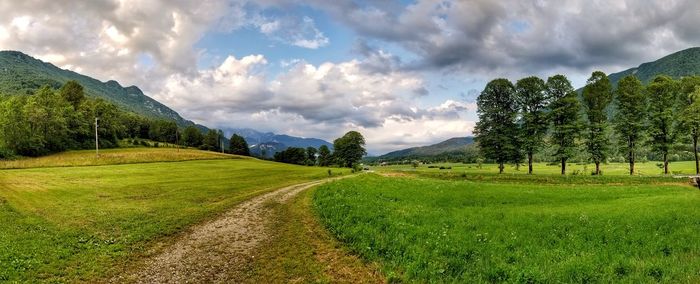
[[97, 139]]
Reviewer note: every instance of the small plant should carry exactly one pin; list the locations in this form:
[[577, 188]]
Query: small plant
[[330, 173]]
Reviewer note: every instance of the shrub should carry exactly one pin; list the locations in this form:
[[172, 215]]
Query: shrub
[[6, 154]]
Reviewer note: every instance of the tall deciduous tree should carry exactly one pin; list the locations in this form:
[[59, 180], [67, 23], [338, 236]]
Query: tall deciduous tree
[[192, 136], [311, 155], [532, 104], [564, 116], [597, 95], [630, 118], [211, 141], [238, 145], [324, 156], [496, 131], [349, 149], [690, 113], [73, 93], [662, 94]]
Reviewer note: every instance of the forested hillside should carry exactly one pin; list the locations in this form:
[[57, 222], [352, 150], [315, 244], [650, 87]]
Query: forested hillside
[[676, 65], [23, 74], [458, 149]]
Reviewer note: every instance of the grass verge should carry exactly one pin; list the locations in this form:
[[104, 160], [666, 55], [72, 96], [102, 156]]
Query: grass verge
[[300, 250]]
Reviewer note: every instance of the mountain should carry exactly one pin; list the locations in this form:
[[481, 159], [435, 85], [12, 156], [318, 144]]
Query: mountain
[[676, 65], [453, 149], [272, 143], [23, 74]]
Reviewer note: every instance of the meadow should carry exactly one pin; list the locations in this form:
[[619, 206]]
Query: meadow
[[84, 223], [423, 227], [651, 168]]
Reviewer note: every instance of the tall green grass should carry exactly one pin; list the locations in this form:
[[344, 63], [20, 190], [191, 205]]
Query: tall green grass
[[69, 224], [611, 169], [432, 230]]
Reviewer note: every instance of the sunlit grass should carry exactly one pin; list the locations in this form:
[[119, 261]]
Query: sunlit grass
[[67, 224], [643, 169], [114, 157], [542, 231]]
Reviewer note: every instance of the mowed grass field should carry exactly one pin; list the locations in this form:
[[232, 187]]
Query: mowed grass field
[[644, 169], [426, 228], [115, 156], [85, 223]]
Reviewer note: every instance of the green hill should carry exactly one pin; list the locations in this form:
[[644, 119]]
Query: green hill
[[454, 149], [23, 74], [676, 65]]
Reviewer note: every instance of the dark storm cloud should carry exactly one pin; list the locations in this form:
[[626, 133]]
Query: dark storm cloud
[[526, 36]]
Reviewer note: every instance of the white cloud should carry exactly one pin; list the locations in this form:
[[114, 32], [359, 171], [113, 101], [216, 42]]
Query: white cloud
[[322, 100]]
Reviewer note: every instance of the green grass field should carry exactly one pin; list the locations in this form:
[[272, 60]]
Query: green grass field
[[645, 169], [83, 223], [114, 157], [557, 230]]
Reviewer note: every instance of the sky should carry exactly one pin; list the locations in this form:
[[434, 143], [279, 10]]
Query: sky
[[403, 73]]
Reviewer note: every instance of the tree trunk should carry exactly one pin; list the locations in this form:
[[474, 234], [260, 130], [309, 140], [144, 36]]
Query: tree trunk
[[631, 163], [563, 166], [597, 168], [665, 163], [695, 151], [630, 144], [500, 168], [529, 163]]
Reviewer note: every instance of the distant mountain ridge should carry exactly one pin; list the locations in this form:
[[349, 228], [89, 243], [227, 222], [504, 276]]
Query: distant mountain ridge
[[270, 143], [682, 63], [453, 149], [22, 74]]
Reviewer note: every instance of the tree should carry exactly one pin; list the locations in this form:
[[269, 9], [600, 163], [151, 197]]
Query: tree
[[532, 102], [210, 142], [238, 145], [324, 156], [597, 95], [415, 164], [73, 93], [192, 137], [630, 118], [564, 115], [349, 149], [663, 126], [496, 131], [46, 113], [291, 155], [690, 113], [311, 155]]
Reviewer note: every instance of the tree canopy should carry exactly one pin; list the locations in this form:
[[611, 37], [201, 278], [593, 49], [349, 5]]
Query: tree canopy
[[496, 131], [349, 149], [239, 146]]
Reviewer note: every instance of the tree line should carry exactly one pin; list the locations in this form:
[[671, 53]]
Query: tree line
[[54, 120], [516, 121], [348, 150]]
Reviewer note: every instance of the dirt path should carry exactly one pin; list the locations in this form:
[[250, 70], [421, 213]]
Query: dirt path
[[216, 250]]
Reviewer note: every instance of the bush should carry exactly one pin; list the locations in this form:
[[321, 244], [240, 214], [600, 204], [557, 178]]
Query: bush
[[144, 143], [6, 154], [156, 145]]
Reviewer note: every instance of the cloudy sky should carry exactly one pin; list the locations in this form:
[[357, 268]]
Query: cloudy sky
[[404, 73]]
